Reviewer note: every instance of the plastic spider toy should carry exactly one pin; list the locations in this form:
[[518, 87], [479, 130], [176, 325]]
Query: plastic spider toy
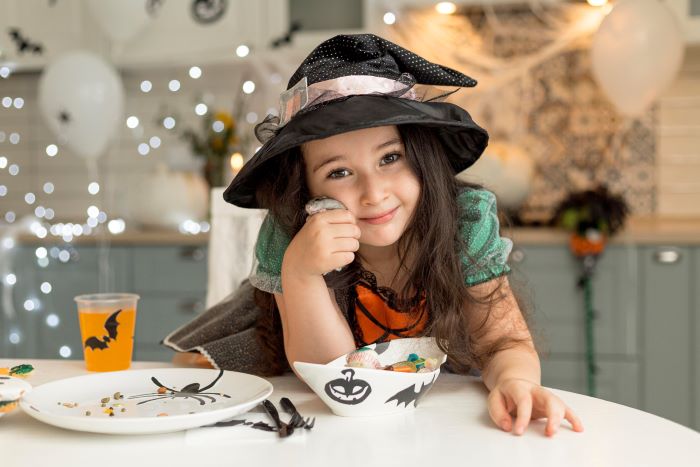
[[190, 391]]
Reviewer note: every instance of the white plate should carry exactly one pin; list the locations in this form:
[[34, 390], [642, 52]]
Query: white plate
[[234, 393]]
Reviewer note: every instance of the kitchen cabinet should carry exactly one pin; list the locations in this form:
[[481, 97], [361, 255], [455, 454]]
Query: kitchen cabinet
[[647, 326], [617, 380], [550, 278], [667, 366], [170, 280], [57, 27], [174, 37], [695, 348], [171, 37], [172, 284], [547, 275]]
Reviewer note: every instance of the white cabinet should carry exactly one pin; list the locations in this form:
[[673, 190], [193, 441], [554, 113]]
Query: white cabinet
[[174, 37], [688, 15], [171, 37], [56, 27]]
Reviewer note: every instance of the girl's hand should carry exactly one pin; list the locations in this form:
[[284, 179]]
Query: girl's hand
[[326, 242], [528, 401]]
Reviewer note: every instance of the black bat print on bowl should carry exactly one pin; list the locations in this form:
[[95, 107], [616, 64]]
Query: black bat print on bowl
[[111, 325], [348, 390], [192, 391], [408, 395]]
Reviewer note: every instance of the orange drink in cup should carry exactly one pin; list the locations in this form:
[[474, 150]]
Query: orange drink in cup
[[107, 324]]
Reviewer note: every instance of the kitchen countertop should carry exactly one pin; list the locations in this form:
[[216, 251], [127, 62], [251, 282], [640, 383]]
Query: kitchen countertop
[[639, 230]]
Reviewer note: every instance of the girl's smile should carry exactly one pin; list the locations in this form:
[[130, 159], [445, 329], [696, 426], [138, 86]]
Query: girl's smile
[[380, 219]]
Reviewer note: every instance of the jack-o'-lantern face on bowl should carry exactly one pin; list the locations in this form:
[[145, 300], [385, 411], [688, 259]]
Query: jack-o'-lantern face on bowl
[[348, 390]]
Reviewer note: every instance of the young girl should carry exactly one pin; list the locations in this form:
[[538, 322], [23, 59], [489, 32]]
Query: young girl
[[415, 252]]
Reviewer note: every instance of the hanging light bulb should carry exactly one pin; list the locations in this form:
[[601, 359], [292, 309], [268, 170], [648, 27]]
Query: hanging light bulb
[[445, 8], [236, 162]]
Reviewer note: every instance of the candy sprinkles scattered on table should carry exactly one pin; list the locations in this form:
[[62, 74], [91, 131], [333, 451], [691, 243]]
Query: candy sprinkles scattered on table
[[366, 357], [108, 408], [116, 403]]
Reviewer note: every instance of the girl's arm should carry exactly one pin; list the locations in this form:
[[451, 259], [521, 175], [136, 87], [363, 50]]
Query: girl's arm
[[513, 375], [313, 326], [505, 321]]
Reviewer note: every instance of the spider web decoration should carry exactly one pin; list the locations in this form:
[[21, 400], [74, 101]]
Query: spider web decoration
[[537, 91]]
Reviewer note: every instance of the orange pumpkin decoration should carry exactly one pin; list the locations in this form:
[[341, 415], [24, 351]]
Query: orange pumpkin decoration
[[584, 246]]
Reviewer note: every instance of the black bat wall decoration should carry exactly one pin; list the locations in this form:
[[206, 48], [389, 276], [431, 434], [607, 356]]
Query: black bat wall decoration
[[409, 394], [23, 43], [111, 327]]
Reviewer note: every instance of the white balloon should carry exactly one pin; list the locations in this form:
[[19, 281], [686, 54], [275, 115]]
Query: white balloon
[[504, 169], [120, 19], [636, 53], [82, 99]]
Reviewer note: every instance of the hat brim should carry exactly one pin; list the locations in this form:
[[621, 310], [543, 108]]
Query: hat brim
[[464, 140]]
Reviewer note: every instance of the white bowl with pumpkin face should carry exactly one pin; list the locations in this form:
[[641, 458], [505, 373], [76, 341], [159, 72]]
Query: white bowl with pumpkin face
[[352, 392]]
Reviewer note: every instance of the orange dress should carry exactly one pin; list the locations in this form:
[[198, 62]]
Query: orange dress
[[379, 319]]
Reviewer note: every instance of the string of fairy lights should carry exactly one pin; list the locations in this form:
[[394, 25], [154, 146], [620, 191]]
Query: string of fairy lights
[[41, 225]]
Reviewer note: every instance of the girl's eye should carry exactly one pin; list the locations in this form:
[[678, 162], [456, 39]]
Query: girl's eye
[[340, 173], [390, 158]]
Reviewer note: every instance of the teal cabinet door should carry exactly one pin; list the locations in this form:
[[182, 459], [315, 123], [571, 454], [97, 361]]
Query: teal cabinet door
[[157, 317], [172, 283], [550, 276], [617, 381], [179, 269], [19, 324], [52, 322], [666, 346], [695, 357]]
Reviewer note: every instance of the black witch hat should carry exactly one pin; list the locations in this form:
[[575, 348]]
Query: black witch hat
[[352, 82]]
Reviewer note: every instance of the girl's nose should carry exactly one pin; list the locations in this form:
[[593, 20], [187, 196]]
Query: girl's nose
[[373, 191]]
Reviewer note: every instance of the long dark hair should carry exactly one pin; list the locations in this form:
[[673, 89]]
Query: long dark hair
[[436, 251]]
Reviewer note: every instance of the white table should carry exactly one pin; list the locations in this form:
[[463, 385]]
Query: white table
[[450, 427]]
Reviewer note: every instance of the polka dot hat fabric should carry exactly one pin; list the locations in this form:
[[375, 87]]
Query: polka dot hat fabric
[[367, 54]]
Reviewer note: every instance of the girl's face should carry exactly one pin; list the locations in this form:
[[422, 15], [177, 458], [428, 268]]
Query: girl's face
[[367, 171]]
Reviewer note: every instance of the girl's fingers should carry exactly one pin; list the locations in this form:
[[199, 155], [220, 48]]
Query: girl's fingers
[[498, 411], [343, 230], [554, 411], [524, 413], [573, 419], [343, 258], [336, 216], [345, 244]]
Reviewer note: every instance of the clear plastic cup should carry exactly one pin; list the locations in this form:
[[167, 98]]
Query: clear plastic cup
[[107, 325]]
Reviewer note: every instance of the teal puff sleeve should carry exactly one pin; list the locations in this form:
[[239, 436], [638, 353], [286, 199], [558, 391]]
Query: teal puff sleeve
[[269, 251], [486, 251]]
